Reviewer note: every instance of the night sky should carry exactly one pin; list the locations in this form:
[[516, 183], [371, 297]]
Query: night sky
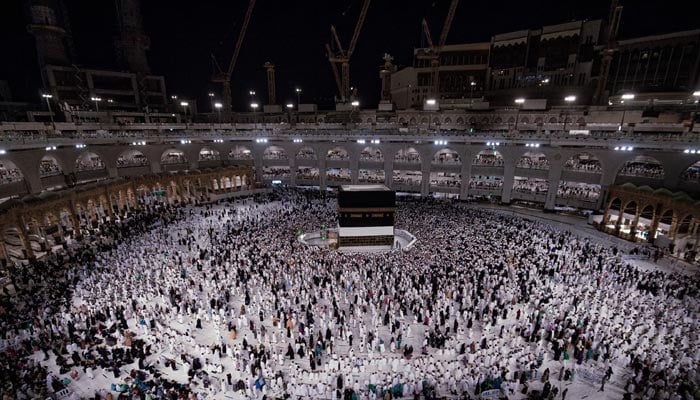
[[292, 35]]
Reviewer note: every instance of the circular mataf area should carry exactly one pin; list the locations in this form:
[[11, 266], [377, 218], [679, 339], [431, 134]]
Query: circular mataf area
[[485, 302]]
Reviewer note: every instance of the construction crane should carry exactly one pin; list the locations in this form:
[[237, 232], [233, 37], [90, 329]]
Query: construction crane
[[608, 52], [432, 53], [337, 55], [225, 77]]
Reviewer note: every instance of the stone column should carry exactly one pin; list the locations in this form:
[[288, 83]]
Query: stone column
[[554, 177], [389, 172], [322, 178], [425, 180], [292, 172], [354, 168], [508, 179], [466, 172]]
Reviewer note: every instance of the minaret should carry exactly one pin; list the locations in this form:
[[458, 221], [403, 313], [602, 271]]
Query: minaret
[[385, 75], [47, 24], [270, 69], [132, 43]]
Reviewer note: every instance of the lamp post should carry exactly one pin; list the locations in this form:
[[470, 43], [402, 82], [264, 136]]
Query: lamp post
[[254, 106], [355, 105], [696, 95], [290, 107], [519, 101], [184, 105], [298, 90], [218, 106], [471, 93], [211, 100], [48, 104], [626, 96], [97, 101], [568, 100]]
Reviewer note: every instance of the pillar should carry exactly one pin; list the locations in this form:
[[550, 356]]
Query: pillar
[[322, 178], [425, 180], [466, 172], [554, 177], [508, 179], [354, 168], [292, 172], [388, 172]]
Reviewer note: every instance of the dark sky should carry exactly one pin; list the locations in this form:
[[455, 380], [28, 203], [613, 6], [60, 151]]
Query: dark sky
[[292, 35]]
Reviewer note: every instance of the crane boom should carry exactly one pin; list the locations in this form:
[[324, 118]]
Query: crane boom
[[241, 35], [342, 57], [224, 78], [358, 27], [428, 37], [448, 23]]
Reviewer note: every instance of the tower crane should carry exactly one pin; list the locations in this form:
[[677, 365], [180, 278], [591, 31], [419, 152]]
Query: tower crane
[[224, 77], [337, 55], [432, 53]]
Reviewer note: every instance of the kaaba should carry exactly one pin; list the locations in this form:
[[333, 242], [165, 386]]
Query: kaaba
[[366, 216]]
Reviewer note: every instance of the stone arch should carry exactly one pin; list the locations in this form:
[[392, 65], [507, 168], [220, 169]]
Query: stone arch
[[275, 153], [413, 121], [647, 212], [584, 162], [684, 224], [553, 120], [539, 120], [490, 158], [369, 120], [499, 120], [692, 173], [209, 154], [485, 120], [642, 166], [306, 153], [667, 217], [581, 121], [616, 204], [524, 120], [89, 161], [533, 160], [511, 120], [472, 120], [460, 121], [338, 153], [240, 153], [402, 120], [173, 156], [631, 208], [370, 153], [49, 166], [446, 156], [408, 155], [132, 158], [448, 120], [10, 172], [424, 120]]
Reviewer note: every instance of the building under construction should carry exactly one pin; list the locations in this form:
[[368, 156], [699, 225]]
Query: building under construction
[[77, 89]]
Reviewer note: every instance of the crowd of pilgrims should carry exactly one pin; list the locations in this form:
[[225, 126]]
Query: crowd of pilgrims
[[89, 164], [136, 160], [537, 186], [578, 190], [49, 168], [9, 174], [196, 302], [643, 169], [534, 162]]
